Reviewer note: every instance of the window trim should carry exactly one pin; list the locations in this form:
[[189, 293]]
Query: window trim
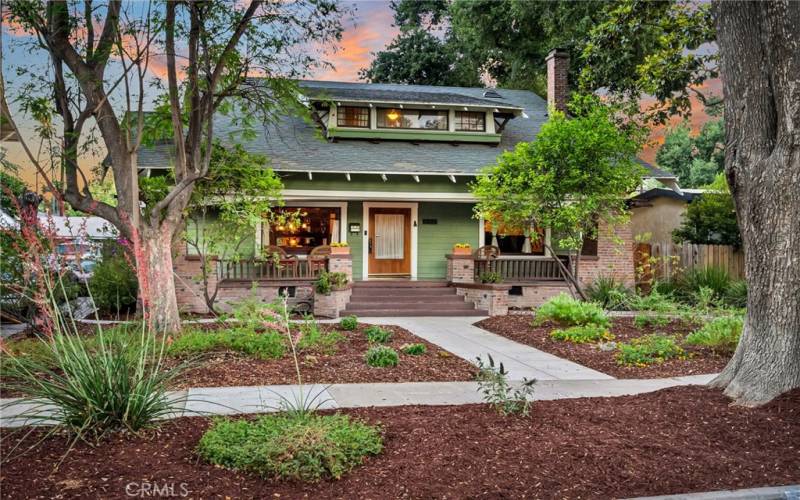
[[455, 121], [437, 111], [339, 116]]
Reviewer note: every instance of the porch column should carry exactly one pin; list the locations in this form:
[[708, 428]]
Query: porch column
[[460, 268], [341, 263]]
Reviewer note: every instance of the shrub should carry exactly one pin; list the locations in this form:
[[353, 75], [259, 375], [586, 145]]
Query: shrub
[[381, 356], [266, 345], [491, 277], [565, 310], [689, 284], [721, 334], [655, 301], [647, 350], [609, 293], [114, 380], [736, 295], [114, 285], [414, 349], [306, 448], [582, 334], [252, 311], [649, 320], [328, 281], [348, 323], [312, 339], [493, 384], [377, 335]]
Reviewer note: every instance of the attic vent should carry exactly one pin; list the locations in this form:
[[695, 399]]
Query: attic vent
[[491, 93]]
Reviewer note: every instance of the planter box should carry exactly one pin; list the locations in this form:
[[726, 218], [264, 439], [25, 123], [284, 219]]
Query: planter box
[[462, 251], [340, 250]]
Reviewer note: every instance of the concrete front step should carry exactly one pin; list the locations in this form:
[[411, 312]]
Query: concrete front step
[[411, 306], [408, 312], [400, 284], [404, 292]]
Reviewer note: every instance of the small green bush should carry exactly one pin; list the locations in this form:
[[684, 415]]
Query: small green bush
[[609, 293], [114, 285], [491, 277], [582, 334], [656, 301], [266, 345], [252, 312], [689, 284], [648, 320], [306, 448], [348, 323], [414, 349], [380, 356], [647, 350], [499, 393], [329, 281], [377, 335], [565, 310], [721, 334]]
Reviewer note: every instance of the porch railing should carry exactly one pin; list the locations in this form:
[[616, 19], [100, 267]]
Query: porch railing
[[521, 269], [270, 270]]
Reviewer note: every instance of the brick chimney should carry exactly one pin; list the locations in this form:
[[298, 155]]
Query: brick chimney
[[557, 68]]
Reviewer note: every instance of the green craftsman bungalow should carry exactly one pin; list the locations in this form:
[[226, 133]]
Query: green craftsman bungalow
[[386, 168]]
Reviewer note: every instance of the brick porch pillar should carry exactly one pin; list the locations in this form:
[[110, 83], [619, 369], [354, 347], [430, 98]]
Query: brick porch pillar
[[460, 268]]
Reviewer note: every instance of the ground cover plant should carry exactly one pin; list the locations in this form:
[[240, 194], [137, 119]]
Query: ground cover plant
[[348, 323], [582, 334], [567, 311], [414, 349], [720, 334], [498, 392], [306, 448], [264, 345], [648, 349]]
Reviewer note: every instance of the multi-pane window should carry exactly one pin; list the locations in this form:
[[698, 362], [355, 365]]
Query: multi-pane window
[[352, 116], [429, 119], [470, 121]]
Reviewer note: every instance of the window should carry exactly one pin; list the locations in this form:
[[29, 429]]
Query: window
[[351, 116], [428, 119], [313, 226], [512, 241], [589, 248], [470, 121]]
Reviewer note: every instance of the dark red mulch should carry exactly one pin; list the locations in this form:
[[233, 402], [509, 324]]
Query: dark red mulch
[[345, 366], [700, 361], [677, 440]]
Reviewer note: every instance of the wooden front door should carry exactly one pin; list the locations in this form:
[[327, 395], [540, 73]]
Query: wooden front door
[[389, 241]]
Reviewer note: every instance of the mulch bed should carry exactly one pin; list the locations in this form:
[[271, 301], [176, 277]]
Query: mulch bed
[[345, 366], [700, 360], [677, 440]]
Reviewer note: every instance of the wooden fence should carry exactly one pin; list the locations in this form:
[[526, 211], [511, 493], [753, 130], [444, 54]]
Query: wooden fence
[[663, 259]]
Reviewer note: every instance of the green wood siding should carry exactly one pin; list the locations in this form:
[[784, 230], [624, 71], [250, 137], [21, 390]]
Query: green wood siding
[[455, 224], [373, 182], [245, 250], [355, 211], [414, 135]]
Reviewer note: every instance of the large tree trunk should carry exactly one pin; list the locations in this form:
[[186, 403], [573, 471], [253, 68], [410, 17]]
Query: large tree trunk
[[760, 60], [156, 284]]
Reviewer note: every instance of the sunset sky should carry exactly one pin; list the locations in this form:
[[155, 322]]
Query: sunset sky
[[367, 30]]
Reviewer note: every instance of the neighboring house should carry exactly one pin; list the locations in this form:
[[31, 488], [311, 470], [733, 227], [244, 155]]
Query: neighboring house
[[78, 240], [392, 180], [658, 212]]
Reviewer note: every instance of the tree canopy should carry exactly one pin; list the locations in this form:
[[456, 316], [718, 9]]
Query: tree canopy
[[695, 160], [711, 218]]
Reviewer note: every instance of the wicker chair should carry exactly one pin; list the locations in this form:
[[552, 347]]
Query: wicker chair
[[317, 258], [487, 252]]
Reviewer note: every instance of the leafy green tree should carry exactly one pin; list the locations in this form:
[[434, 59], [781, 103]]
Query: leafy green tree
[[11, 188], [711, 218], [576, 172], [417, 57], [223, 45], [695, 160]]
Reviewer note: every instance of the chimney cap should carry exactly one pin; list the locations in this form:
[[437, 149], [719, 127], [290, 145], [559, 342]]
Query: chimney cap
[[557, 52]]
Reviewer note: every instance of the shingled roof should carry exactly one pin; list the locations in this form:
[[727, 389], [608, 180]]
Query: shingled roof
[[294, 145]]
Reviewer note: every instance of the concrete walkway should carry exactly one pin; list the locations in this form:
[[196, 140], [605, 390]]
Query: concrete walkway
[[459, 336], [266, 399]]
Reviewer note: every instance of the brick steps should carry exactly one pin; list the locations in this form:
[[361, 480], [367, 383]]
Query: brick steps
[[408, 298]]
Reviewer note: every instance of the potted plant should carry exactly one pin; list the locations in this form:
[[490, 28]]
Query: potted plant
[[340, 248], [462, 249]]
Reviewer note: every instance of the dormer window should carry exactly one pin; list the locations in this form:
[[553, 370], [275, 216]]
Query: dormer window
[[352, 116], [470, 121], [428, 119]]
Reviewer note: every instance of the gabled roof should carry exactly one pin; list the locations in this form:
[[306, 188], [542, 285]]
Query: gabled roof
[[292, 145]]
